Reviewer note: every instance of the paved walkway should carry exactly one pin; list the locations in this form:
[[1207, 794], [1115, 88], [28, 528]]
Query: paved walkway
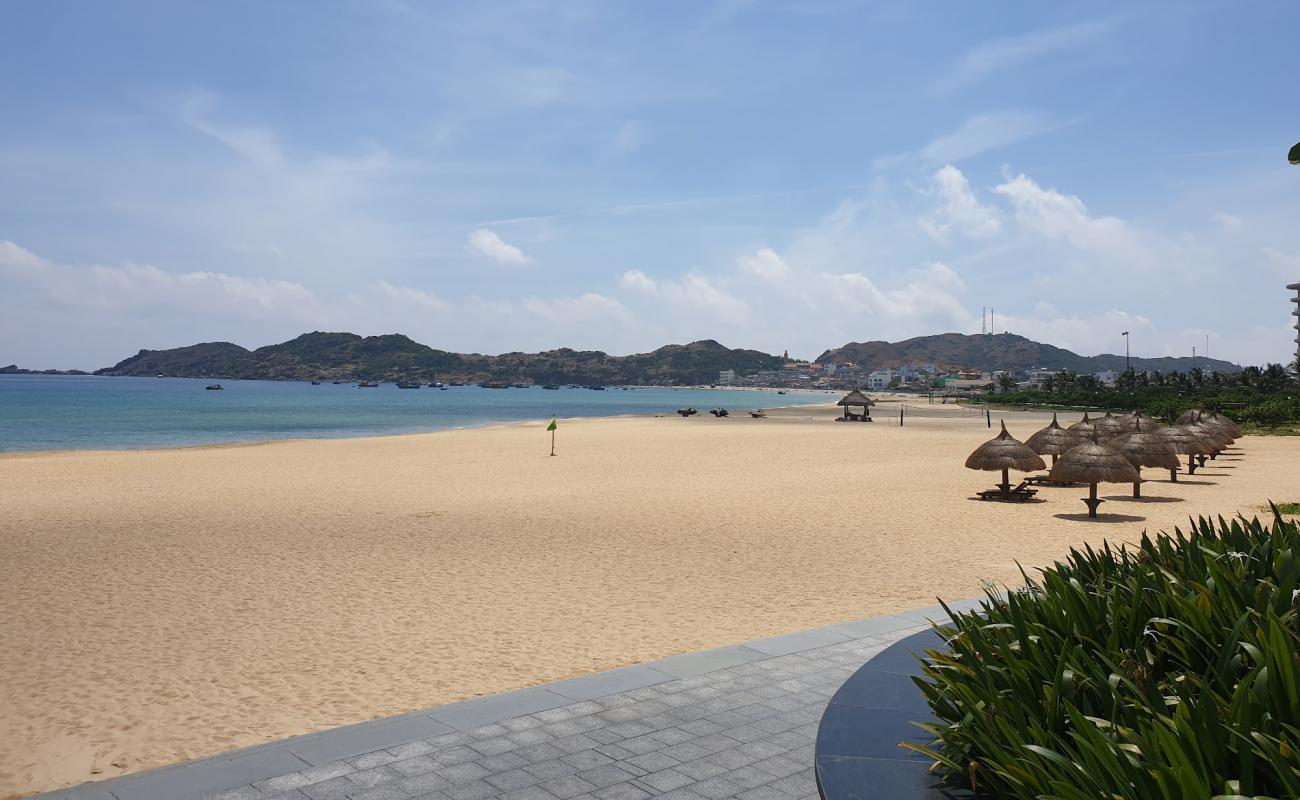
[[732, 722]]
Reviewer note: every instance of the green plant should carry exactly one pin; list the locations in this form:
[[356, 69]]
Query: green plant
[[1167, 669], [1290, 509]]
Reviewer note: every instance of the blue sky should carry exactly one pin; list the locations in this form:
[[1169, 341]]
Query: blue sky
[[524, 175]]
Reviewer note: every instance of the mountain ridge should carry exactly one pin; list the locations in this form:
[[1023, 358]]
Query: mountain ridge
[[1002, 351], [396, 357]]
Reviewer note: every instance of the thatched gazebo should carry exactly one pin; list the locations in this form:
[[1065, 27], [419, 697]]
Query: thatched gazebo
[[1145, 447], [1053, 440], [1093, 463], [1004, 452], [1186, 442], [1108, 426], [856, 399]]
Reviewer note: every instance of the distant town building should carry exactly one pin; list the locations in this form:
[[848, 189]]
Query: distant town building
[[1107, 376], [727, 377], [1038, 378], [880, 379]]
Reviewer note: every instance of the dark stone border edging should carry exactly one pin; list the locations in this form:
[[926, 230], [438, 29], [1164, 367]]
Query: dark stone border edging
[[858, 756]]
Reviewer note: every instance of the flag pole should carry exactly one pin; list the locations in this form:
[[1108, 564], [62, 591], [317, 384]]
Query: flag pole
[[552, 441]]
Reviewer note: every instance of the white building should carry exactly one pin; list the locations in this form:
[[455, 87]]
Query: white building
[[727, 377], [880, 379], [1039, 376], [1107, 376]]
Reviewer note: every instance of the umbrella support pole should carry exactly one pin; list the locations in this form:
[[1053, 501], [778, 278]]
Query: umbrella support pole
[[1173, 475], [1005, 486], [1137, 488], [1191, 464], [1092, 500]]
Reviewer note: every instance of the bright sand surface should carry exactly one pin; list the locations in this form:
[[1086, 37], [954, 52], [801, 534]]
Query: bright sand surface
[[163, 605]]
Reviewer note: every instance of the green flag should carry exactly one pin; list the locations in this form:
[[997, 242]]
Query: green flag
[[552, 426]]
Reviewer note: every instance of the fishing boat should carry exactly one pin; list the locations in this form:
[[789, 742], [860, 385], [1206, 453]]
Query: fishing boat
[[405, 385], [455, 383], [315, 383], [436, 385], [551, 387], [214, 387], [366, 385], [339, 383], [523, 385], [493, 385]]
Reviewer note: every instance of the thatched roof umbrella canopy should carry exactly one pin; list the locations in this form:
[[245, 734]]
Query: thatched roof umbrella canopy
[[1093, 463], [1108, 426], [1187, 440], [1083, 427], [1053, 440], [855, 399], [1145, 448], [1004, 452], [1189, 416], [1135, 420], [1217, 420]]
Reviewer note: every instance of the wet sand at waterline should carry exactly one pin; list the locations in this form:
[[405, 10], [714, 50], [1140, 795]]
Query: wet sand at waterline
[[168, 604]]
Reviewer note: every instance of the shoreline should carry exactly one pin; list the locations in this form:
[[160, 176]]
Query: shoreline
[[4, 454]]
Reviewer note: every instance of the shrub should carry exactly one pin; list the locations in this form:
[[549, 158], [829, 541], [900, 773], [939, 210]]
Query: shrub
[[1168, 669]]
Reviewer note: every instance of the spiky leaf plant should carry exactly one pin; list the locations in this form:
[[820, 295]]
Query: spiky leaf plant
[[1166, 669]]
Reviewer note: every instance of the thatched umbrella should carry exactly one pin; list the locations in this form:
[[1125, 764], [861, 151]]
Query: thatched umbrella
[[1053, 440], [1186, 441], [1189, 416], [1135, 419], [1093, 463], [1083, 427], [1228, 425], [1108, 426], [1004, 452], [1144, 447], [1216, 437]]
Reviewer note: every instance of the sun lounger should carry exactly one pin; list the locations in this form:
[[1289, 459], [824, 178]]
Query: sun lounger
[[758, 414], [1019, 494], [1046, 480]]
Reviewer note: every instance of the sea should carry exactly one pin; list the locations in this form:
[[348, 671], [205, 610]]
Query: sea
[[76, 412]]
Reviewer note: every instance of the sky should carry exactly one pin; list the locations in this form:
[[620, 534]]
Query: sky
[[518, 176]]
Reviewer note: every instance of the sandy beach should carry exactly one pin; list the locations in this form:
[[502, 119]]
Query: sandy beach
[[169, 604]]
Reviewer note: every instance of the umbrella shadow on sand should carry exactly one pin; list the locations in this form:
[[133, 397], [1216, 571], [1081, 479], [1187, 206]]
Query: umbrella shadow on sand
[[1128, 498], [1101, 517], [1181, 482]]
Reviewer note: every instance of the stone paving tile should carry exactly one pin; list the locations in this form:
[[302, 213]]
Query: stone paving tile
[[745, 731]]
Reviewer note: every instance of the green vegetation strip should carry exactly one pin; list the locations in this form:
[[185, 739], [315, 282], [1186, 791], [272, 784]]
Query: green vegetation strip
[[1165, 669]]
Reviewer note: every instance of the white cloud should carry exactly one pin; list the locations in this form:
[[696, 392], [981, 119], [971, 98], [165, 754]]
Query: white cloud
[[1229, 222], [629, 138], [586, 308], [765, 264], [987, 131], [486, 243], [1008, 52], [959, 210], [637, 280]]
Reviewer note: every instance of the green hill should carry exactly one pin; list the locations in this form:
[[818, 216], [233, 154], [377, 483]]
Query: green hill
[[1002, 351]]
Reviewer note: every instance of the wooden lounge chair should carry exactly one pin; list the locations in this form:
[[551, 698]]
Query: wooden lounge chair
[[1046, 480], [1019, 494]]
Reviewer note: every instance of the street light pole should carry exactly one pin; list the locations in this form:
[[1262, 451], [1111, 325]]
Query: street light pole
[[1127, 368]]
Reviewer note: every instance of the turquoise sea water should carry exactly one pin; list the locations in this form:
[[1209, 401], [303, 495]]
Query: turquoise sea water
[[65, 412]]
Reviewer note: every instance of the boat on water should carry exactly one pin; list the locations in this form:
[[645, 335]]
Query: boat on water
[[782, 391], [436, 385], [339, 383], [455, 383], [493, 385], [596, 388], [523, 385], [315, 383], [551, 386], [405, 385], [366, 385], [214, 387]]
